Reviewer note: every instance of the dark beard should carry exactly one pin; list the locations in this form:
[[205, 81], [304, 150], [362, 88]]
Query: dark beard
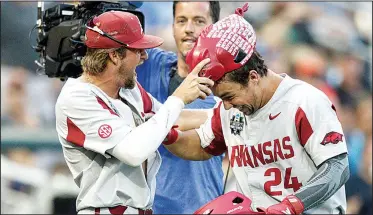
[[250, 108], [129, 84], [246, 109], [129, 81]]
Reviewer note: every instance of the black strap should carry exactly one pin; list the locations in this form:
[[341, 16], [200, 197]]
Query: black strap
[[175, 81], [226, 174]]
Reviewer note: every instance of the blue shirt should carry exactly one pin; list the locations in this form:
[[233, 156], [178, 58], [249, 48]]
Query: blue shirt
[[182, 186]]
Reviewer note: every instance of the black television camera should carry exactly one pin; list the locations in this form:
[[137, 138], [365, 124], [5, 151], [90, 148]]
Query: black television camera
[[61, 30]]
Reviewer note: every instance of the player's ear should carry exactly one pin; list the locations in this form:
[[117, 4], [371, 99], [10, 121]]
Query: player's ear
[[253, 77], [114, 57]]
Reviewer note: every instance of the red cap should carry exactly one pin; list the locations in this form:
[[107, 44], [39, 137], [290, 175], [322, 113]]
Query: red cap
[[229, 43], [122, 26]]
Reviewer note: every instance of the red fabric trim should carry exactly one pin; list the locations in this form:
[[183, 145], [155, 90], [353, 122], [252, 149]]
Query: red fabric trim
[[171, 136], [303, 126], [104, 105], [74, 134], [120, 209], [217, 146], [147, 101]]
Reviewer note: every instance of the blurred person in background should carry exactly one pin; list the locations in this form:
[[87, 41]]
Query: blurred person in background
[[24, 186], [351, 93], [359, 187], [350, 88], [309, 64], [364, 116], [359, 124], [182, 186], [15, 112], [20, 108]]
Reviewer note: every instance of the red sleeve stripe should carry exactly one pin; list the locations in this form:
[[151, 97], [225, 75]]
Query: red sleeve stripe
[[303, 126], [104, 105], [148, 105], [217, 146], [74, 134]]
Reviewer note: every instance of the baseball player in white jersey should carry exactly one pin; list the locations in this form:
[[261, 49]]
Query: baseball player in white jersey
[[284, 140], [109, 147]]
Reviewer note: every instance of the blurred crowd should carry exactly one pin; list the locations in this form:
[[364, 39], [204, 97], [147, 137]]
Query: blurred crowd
[[328, 45]]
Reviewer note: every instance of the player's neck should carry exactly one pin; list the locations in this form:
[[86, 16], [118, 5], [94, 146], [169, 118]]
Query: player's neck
[[182, 67], [105, 82], [270, 84]]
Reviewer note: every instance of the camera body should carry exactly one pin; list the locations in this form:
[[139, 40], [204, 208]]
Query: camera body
[[60, 40]]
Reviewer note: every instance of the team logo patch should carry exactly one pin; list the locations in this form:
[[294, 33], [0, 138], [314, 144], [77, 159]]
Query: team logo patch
[[332, 137], [236, 124], [105, 131]]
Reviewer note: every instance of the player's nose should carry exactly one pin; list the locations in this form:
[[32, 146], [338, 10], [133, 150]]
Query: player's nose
[[144, 54], [189, 27]]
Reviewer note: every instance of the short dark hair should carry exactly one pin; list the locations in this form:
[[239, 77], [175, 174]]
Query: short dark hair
[[241, 75], [214, 10]]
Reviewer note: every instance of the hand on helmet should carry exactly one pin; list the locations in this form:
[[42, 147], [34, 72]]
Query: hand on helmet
[[193, 86]]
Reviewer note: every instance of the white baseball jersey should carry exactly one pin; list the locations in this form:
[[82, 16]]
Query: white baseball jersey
[[277, 149], [89, 123]]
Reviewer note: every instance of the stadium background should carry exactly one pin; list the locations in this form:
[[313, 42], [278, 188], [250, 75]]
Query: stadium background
[[326, 44]]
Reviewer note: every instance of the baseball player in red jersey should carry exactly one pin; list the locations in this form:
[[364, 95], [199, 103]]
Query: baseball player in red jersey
[[285, 143], [109, 147]]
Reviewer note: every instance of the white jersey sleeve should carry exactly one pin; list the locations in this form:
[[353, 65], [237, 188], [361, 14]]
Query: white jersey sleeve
[[319, 129], [85, 120], [211, 133]]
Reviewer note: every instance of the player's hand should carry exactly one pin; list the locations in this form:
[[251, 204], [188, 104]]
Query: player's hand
[[193, 86], [290, 205]]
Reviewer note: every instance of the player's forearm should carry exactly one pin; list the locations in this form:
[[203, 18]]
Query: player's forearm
[[326, 181], [188, 146], [192, 118], [145, 139]]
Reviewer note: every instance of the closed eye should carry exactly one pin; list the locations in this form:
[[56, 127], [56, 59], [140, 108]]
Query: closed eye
[[227, 98]]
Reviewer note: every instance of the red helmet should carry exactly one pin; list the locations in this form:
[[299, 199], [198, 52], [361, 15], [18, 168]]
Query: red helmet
[[229, 43], [230, 203]]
